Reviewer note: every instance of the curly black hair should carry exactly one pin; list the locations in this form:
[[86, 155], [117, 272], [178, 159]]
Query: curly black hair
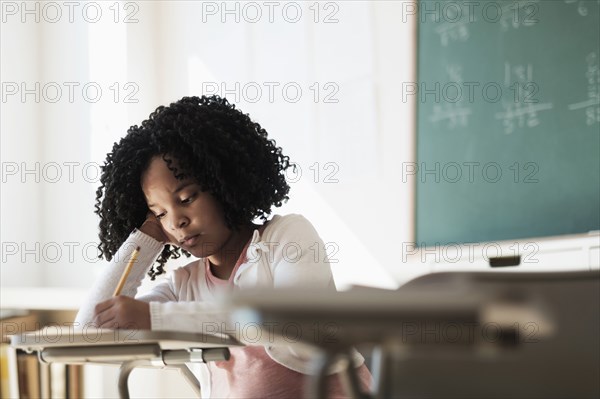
[[227, 154]]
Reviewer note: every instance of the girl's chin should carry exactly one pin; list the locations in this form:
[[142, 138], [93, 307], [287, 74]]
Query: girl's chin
[[197, 252]]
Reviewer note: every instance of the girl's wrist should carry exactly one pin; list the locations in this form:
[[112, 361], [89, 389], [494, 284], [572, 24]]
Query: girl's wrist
[[153, 230]]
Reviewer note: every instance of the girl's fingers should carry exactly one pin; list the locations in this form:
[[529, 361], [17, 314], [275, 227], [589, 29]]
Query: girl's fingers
[[102, 318], [111, 323], [104, 306], [104, 312], [108, 319], [122, 312]]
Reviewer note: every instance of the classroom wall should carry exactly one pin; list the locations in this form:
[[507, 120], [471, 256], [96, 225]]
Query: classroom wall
[[357, 201], [20, 210]]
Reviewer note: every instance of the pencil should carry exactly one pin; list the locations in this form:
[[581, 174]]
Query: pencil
[[126, 272]]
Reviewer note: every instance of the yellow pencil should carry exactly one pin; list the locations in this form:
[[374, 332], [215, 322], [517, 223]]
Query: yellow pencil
[[126, 272]]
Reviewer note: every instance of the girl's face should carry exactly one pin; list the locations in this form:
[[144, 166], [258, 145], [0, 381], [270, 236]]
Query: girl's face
[[191, 219]]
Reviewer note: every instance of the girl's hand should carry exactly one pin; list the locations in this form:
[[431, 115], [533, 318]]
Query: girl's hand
[[153, 228], [122, 312]]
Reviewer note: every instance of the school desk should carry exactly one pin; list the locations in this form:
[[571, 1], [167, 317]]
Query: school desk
[[479, 335], [129, 348]]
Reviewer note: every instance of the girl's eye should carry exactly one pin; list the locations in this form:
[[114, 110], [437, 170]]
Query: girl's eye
[[160, 216], [187, 200]]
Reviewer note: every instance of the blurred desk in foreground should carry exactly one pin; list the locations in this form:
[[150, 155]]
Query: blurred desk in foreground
[[129, 348], [478, 335]]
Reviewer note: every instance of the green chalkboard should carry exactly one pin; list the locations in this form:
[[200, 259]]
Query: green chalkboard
[[508, 128]]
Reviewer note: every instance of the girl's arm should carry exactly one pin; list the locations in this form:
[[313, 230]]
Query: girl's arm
[[299, 256], [104, 286]]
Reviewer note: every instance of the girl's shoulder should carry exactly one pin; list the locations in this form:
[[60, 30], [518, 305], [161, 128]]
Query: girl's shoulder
[[282, 222], [292, 226]]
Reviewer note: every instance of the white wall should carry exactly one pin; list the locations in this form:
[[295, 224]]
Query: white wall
[[21, 212]]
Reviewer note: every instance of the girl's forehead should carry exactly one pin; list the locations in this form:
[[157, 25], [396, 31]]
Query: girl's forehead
[[158, 177], [158, 167]]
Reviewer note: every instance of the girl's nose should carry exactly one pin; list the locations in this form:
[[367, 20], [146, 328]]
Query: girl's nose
[[179, 221]]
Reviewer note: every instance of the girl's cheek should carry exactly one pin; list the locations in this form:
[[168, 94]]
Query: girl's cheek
[[172, 239]]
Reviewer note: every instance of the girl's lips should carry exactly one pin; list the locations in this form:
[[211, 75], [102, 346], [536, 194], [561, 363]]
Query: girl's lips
[[190, 241]]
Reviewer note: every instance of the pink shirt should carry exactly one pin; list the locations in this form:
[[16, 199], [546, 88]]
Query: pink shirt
[[251, 373]]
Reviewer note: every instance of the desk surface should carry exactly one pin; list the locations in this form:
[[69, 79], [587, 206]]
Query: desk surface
[[57, 337]]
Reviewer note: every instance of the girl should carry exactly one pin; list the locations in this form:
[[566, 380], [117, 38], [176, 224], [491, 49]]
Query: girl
[[192, 179]]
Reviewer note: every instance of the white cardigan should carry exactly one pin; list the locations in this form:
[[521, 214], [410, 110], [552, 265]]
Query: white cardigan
[[284, 256]]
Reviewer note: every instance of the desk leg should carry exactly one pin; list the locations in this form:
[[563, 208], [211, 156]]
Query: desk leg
[[124, 371], [350, 379], [384, 355], [317, 387], [191, 378], [378, 371]]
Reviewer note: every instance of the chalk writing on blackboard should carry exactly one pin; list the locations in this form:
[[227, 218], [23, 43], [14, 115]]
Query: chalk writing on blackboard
[[581, 6], [452, 108], [453, 31], [592, 104], [453, 18], [521, 110], [515, 14]]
